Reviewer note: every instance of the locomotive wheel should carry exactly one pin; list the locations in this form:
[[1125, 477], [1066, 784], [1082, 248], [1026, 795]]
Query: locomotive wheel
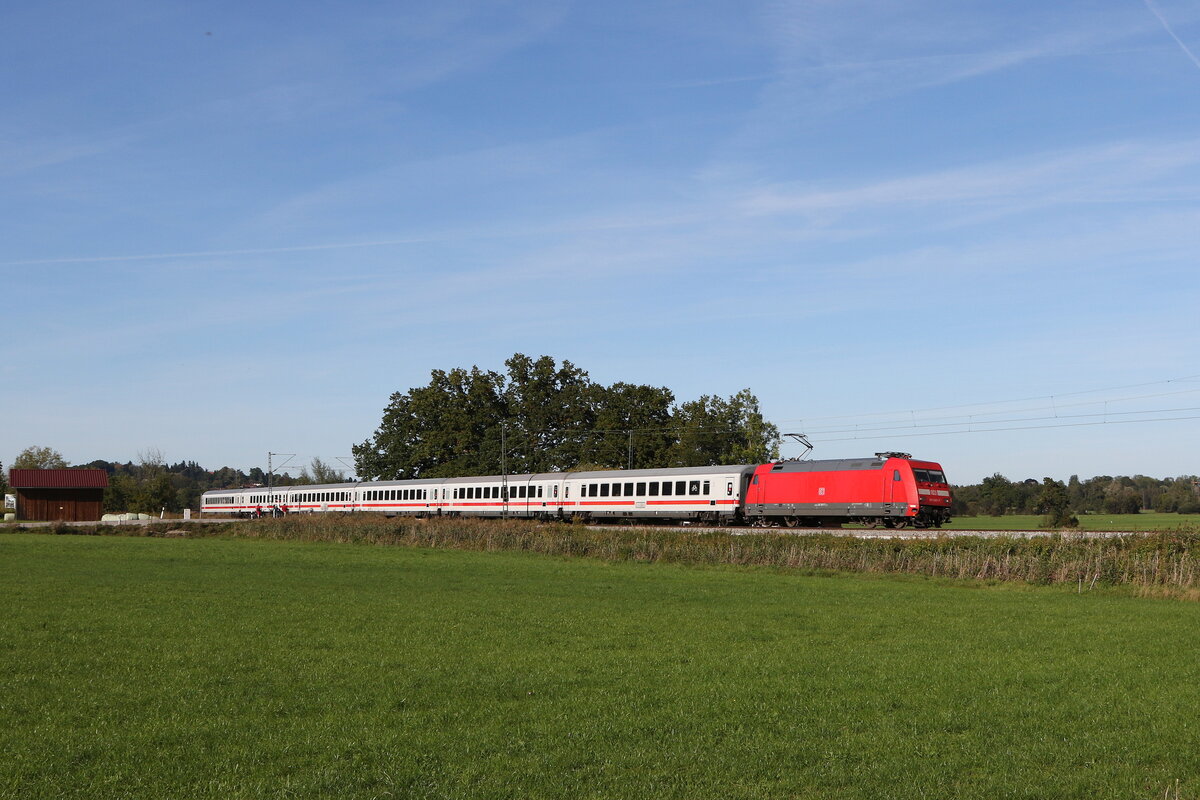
[[791, 522], [899, 523]]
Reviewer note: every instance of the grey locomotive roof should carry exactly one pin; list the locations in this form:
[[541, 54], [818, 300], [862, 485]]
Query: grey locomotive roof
[[827, 465]]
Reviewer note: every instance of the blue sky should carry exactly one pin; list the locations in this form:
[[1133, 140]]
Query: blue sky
[[228, 228]]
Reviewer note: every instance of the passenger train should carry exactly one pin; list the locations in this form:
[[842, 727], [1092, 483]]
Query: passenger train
[[892, 490]]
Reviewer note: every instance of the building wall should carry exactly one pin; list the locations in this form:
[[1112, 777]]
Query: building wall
[[70, 505]]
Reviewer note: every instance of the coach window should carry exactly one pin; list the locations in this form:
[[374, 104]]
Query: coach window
[[707, 490], [616, 490], [653, 489], [629, 490], [694, 487], [539, 491], [666, 488], [641, 489], [604, 490], [680, 487], [593, 490]]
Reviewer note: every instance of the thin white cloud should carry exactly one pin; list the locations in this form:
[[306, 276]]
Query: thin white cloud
[[1167, 27], [1110, 173]]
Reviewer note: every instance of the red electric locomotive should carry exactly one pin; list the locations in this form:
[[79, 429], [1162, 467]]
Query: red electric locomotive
[[891, 489]]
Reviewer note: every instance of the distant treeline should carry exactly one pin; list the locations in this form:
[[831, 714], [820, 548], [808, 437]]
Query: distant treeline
[[997, 495], [150, 487]]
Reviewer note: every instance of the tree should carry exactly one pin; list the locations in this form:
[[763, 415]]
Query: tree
[[1121, 499], [716, 430], [549, 414], [449, 427], [995, 495], [39, 458], [319, 472], [633, 426], [1053, 503], [154, 494], [3, 480]]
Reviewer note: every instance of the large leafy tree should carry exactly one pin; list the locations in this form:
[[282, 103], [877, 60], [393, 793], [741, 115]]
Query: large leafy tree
[[552, 417]]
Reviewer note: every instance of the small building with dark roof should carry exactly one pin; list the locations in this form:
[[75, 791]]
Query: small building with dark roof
[[71, 495]]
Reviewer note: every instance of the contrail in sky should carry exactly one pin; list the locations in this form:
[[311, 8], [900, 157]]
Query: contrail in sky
[[1167, 27]]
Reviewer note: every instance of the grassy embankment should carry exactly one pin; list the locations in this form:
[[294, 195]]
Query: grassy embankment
[[1152, 563], [227, 668]]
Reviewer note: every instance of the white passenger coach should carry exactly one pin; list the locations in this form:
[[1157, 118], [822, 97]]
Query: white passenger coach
[[706, 494]]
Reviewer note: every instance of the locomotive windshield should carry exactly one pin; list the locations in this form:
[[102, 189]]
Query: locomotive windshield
[[929, 475]]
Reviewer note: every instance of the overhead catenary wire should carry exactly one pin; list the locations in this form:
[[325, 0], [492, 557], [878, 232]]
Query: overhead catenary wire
[[1051, 398], [1015, 428]]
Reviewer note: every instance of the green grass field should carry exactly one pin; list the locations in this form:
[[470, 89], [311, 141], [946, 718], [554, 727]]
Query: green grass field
[[156, 668], [1146, 521]]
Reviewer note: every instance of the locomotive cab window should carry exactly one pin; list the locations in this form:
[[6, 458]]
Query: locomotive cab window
[[895, 474]]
